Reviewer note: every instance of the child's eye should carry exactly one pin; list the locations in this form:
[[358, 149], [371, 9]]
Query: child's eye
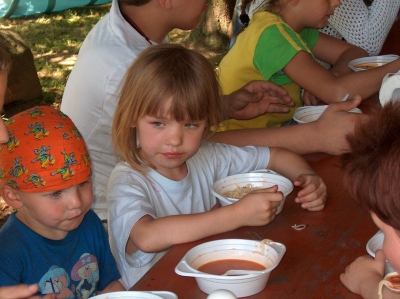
[[81, 185], [56, 194], [191, 125], [157, 123]]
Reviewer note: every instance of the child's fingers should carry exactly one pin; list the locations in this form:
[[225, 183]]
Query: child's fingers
[[272, 189], [314, 201]]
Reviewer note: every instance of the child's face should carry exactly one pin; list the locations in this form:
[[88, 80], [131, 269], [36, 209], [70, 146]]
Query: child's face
[[315, 13], [3, 86], [391, 243], [167, 144], [53, 214]]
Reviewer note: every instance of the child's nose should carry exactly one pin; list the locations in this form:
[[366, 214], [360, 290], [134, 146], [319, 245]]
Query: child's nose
[[75, 199], [175, 137], [336, 3]]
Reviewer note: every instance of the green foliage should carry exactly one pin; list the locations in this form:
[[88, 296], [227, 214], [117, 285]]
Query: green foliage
[[54, 40]]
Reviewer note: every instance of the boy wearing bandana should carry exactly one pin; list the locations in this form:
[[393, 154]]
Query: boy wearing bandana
[[53, 238]]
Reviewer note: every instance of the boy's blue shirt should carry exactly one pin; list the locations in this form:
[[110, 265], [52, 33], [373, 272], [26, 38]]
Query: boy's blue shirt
[[76, 266]]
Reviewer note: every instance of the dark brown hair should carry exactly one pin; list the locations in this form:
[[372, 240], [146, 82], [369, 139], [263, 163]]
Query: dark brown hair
[[372, 168]]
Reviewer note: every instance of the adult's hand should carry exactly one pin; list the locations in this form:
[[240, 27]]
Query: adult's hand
[[23, 291], [335, 124], [257, 98]]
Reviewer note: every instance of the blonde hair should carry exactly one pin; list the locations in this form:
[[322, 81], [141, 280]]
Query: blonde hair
[[160, 73]]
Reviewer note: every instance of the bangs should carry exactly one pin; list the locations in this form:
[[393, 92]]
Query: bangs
[[181, 102]]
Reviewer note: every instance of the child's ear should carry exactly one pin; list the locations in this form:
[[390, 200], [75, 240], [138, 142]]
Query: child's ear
[[10, 196]]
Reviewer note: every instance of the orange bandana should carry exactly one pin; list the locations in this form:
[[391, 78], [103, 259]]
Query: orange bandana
[[45, 152]]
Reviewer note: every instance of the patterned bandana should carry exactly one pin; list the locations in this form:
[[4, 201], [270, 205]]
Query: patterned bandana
[[45, 152]]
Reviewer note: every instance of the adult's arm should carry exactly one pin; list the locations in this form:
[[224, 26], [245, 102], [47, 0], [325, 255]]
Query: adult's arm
[[363, 26], [327, 134]]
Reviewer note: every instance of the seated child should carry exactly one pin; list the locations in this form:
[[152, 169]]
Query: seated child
[[160, 192], [17, 291], [372, 176], [280, 44], [53, 238]]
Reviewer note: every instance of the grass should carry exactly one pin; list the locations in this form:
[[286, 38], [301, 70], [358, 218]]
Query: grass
[[55, 40]]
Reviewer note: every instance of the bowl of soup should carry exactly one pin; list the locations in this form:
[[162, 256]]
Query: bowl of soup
[[307, 114], [376, 243], [366, 63], [208, 262], [232, 188]]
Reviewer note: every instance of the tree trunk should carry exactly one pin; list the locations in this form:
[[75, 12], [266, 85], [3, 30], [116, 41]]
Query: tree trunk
[[214, 31]]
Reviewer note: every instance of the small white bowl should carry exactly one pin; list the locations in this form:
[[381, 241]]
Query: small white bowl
[[308, 114], [258, 179], [137, 295], [376, 243], [364, 63], [266, 253]]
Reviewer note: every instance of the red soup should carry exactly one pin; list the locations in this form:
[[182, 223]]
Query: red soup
[[395, 280], [221, 266]]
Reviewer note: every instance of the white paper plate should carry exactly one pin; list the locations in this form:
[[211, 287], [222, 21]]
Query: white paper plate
[[362, 64], [137, 295]]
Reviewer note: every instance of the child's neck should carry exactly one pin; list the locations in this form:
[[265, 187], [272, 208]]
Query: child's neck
[[176, 174]]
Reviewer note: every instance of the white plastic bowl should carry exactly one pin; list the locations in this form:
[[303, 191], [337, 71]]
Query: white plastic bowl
[[137, 295], [265, 253], [308, 114], [258, 179], [376, 243], [372, 61]]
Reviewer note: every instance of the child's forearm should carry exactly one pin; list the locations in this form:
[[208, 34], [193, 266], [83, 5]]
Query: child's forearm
[[288, 164], [340, 67], [155, 235]]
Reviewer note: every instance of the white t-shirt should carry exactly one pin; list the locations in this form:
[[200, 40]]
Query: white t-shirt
[[92, 92], [360, 25], [131, 195]]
